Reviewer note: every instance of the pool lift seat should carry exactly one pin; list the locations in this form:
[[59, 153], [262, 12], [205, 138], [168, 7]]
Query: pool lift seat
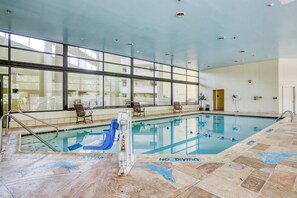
[[110, 134]]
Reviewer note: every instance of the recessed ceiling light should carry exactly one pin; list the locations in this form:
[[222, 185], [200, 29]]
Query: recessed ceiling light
[[116, 40], [180, 14], [130, 44], [221, 38], [270, 5], [8, 11]]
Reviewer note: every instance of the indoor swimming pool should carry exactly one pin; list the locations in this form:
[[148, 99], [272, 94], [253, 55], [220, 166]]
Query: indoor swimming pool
[[191, 134]]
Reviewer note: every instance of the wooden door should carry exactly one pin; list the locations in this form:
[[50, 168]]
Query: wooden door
[[218, 99]]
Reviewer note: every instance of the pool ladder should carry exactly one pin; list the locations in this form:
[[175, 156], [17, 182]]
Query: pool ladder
[[288, 111], [25, 127]]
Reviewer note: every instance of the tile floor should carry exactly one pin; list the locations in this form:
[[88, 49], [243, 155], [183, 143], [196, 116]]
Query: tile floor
[[264, 165]]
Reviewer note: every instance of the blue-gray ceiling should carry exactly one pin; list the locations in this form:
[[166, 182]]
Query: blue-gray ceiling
[[263, 32]]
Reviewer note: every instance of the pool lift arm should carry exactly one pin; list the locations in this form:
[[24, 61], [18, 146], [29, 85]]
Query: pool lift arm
[[126, 155]]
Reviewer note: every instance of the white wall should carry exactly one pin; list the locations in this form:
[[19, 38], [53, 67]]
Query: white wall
[[287, 77], [234, 79]]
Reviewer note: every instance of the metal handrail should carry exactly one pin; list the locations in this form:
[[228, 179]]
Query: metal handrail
[[29, 130], [288, 111], [19, 111]]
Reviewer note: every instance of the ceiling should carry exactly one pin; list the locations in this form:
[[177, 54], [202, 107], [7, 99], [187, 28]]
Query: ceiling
[[263, 32]]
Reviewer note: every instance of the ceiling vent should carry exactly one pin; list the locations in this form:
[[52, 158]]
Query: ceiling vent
[[180, 14]]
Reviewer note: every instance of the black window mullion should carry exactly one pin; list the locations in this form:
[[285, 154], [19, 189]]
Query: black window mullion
[[65, 78], [103, 80], [132, 80]]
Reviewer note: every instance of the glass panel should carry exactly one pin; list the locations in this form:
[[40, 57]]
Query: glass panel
[[192, 94], [4, 53], [84, 64], [179, 93], [143, 64], [163, 93], [192, 73], [192, 79], [159, 74], [36, 57], [3, 70], [3, 38], [5, 90], [117, 59], [84, 53], [179, 77], [163, 67], [36, 90], [179, 70], [116, 91], [36, 44], [143, 91], [116, 68], [143, 72], [85, 89]]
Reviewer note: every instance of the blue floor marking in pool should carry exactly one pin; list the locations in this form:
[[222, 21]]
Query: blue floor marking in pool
[[166, 173], [275, 157], [179, 159], [251, 142], [66, 165]]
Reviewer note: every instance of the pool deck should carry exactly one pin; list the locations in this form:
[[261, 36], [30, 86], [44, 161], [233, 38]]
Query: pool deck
[[263, 165]]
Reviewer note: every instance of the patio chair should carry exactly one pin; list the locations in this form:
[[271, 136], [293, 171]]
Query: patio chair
[[80, 113], [177, 107], [137, 109]]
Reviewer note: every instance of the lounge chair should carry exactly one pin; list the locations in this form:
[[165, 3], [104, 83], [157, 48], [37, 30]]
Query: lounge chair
[[80, 112], [177, 107], [110, 135], [137, 109]]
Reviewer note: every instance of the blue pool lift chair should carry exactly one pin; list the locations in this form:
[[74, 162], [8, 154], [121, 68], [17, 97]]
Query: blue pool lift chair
[[108, 141]]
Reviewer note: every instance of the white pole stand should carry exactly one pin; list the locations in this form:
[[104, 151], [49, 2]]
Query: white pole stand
[[126, 156]]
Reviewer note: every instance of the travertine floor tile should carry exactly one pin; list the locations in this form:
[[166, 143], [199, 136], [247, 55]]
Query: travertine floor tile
[[275, 191], [252, 162], [261, 147], [253, 183], [284, 179]]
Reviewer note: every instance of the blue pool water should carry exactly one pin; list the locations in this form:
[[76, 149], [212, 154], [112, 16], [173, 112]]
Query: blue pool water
[[193, 134]]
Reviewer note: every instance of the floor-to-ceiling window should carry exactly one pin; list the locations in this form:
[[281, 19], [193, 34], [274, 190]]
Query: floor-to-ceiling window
[[85, 89], [116, 91], [180, 92], [37, 70], [36, 90], [143, 91], [25, 49], [84, 58], [3, 46]]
